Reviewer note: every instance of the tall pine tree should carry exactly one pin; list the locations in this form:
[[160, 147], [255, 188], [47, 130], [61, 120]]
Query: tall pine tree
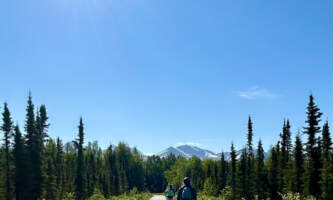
[[327, 170], [223, 172], [59, 165], [51, 185], [79, 181], [260, 172], [298, 166], [286, 143], [233, 180], [284, 156], [7, 127], [250, 162], [243, 175], [327, 142], [42, 124], [20, 165], [273, 175], [34, 166], [112, 171], [312, 179], [249, 136]]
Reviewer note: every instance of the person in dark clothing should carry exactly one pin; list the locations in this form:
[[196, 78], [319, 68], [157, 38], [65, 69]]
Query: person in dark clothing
[[169, 192], [187, 192]]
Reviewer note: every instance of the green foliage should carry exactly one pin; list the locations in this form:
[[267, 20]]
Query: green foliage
[[33, 166], [68, 196], [210, 189], [295, 196], [226, 193], [51, 185], [206, 197], [133, 191], [176, 174], [291, 196], [140, 196], [97, 195]]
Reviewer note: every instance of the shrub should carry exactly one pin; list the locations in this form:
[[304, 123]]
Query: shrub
[[294, 196], [69, 196], [209, 188], [133, 191], [97, 196], [226, 193], [290, 196]]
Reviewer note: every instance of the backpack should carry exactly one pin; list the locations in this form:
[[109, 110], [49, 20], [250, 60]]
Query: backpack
[[170, 193], [187, 193]]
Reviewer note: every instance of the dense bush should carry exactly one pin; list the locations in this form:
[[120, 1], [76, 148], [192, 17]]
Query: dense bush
[[133, 195]]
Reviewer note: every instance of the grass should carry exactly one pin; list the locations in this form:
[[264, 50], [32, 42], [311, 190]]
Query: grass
[[98, 196]]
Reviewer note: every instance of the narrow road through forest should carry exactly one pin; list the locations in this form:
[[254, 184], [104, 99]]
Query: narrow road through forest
[[158, 197]]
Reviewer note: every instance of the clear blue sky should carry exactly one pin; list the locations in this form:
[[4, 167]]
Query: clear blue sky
[[157, 73]]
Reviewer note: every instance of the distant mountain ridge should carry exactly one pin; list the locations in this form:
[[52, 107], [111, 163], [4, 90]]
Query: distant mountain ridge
[[188, 151]]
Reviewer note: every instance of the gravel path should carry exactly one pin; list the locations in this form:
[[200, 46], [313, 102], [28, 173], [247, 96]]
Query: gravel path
[[158, 197]]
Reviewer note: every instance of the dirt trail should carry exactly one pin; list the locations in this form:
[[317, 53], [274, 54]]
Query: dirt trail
[[158, 197]]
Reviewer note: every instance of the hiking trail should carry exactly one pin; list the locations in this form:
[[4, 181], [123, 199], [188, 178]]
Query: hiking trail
[[158, 197]]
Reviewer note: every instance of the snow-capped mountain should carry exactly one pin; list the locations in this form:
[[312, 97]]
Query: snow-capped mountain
[[173, 150], [187, 151]]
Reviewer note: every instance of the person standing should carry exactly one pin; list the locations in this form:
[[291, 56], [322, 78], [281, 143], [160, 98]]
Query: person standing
[[187, 192], [169, 192]]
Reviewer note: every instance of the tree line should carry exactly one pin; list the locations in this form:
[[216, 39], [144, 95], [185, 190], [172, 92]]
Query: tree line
[[35, 166]]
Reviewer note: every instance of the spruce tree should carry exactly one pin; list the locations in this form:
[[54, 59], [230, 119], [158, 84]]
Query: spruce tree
[[91, 173], [112, 171], [137, 171], [286, 143], [20, 165], [40, 159], [249, 136], [233, 180], [51, 185], [327, 170], [123, 182], [34, 165], [79, 181], [223, 172], [327, 142], [7, 127], [243, 176], [279, 172], [312, 179], [43, 125], [273, 175], [30, 124], [59, 165], [284, 156], [250, 163], [298, 167], [260, 172], [41, 134]]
